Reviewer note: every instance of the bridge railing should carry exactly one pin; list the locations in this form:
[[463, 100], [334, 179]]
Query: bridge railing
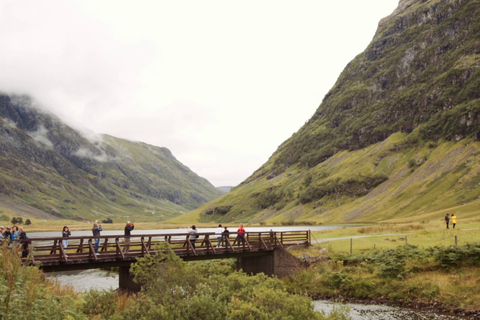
[[51, 250]]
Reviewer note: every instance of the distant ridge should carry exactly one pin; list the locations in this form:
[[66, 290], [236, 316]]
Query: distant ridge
[[52, 168], [225, 188]]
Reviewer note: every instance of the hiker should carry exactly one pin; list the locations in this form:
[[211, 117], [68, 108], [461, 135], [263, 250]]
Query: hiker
[[128, 229], [226, 236], [7, 235], [15, 235], [193, 235], [23, 236], [241, 235], [65, 235], [454, 220], [218, 233], [96, 233], [447, 220]]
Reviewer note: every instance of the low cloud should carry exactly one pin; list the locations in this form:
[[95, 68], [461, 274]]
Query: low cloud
[[88, 154], [41, 136]]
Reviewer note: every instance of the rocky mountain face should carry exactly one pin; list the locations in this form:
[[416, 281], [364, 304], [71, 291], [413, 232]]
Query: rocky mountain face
[[396, 137], [48, 169]]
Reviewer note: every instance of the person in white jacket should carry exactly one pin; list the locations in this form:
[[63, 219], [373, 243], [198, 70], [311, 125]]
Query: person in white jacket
[[218, 233], [193, 235]]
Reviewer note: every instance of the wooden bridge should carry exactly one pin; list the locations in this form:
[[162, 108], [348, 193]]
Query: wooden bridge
[[256, 254]]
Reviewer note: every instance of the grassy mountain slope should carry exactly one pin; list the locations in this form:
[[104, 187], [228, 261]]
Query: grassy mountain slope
[[57, 172], [396, 138]]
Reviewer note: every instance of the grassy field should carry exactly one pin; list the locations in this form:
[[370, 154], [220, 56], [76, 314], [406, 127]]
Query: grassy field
[[430, 270], [364, 238]]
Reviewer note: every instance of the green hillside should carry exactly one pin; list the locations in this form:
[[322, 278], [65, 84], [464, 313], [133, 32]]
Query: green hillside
[[50, 171], [395, 139]]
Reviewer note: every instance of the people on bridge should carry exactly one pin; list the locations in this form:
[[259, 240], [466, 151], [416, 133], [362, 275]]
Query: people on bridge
[[65, 234], [218, 233], [15, 235], [128, 229], [96, 233], [23, 236], [192, 231], [241, 235], [7, 235], [226, 236]]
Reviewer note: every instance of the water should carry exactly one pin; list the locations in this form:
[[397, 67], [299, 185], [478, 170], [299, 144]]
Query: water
[[381, 312], [85, 280]]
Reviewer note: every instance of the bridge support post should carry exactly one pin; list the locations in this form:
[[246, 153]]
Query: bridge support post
[[125, 280], [278, 262]]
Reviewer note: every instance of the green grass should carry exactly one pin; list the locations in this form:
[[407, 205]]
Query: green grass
[[371, 237]]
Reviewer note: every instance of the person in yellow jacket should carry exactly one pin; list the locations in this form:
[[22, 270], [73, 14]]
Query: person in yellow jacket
[[454, 220]]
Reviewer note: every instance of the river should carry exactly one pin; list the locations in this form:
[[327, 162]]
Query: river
[[104, 280]]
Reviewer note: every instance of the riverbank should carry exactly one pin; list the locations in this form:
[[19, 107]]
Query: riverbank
[[432, 306], [409, 265]]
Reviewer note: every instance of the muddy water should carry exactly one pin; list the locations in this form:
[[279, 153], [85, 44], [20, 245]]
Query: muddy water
[[87, 279]]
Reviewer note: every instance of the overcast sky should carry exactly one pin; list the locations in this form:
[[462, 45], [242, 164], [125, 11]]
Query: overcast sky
[[220, 83]]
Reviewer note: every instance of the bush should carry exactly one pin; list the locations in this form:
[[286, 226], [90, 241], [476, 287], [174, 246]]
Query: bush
[[456, 256], [175, 289], [25, 293]]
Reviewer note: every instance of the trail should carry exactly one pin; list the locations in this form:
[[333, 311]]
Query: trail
[[314, 240]]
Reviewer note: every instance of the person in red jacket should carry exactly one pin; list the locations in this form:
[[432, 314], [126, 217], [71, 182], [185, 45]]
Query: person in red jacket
[[241, 235]]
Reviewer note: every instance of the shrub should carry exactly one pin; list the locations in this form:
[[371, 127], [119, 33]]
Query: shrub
[[25, 293], [175, 289]]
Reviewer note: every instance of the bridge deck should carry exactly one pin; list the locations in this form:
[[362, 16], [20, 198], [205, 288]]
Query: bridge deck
[[49, 253]]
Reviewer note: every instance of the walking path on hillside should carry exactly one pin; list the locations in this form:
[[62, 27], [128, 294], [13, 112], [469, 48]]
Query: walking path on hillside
[[314, 240]]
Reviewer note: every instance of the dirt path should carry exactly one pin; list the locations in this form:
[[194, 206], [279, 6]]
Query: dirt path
[[314, 240]]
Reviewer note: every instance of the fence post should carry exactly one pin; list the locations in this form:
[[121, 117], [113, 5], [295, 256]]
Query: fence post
[[351, 245], [456, 242], [406, 240]]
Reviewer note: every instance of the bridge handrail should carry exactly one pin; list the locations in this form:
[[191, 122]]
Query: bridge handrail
[[285, 234], [50, 251]]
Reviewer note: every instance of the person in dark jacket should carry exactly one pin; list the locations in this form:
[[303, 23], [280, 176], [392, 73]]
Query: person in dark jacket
[[7, 235], [128, 229], [23, 236], [226, 237], [65, 235]]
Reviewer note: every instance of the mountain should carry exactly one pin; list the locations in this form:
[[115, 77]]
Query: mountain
[[49, 170], [395, 139], [225, 188]]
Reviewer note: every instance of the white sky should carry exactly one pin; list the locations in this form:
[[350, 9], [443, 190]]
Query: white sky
[[220, 83]]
